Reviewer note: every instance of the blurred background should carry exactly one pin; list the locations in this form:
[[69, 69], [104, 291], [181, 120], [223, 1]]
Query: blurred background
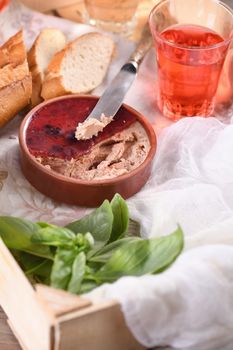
[[75, 10]]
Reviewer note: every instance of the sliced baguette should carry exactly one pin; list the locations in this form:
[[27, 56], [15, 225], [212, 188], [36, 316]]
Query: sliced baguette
[[15, 78], [13, 98], [14, 50], [46, 45], [9, 74], [80, 67]]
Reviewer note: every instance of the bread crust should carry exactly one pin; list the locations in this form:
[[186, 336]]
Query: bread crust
[[4, 57], [14, 98], [37, 78], [31, 55], [15, 78], [37, 81], [14, 50], [53, 88], [8, 73], [52, 85]]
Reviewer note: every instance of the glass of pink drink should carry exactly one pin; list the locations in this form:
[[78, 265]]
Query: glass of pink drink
[[191, 39]]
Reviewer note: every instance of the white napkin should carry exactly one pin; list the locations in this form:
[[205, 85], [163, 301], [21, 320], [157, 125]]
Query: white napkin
[[189, 306]]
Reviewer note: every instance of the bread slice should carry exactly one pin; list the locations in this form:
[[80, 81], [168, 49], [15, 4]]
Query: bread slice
[[15, 78], [46, 45], [80, 67]]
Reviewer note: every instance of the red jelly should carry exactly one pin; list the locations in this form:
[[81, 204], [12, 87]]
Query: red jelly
[[51, 132]]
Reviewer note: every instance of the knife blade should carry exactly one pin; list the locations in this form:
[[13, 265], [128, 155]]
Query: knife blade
[[113, 97]]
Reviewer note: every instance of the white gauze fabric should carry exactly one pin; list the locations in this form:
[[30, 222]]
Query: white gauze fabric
[[189, 306]]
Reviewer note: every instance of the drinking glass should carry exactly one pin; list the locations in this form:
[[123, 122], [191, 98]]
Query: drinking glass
[[191, 39], [3, 3], [117, 16]]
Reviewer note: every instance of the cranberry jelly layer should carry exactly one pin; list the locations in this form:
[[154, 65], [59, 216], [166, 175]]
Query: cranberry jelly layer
[[51, 131]]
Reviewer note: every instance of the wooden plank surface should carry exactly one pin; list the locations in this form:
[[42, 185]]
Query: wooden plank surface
[[7, 339]]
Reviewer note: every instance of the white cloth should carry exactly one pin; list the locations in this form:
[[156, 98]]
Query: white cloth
[[189, 306]]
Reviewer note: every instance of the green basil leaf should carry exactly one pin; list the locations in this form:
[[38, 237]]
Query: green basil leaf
[[141, 257], [28, 261], [62, 267], [43, 224], [78, 271], [16, 233], [54, 236], [120, 217], [98, 223], [87, 286], [44, 269], [37, 269], [105, 253]]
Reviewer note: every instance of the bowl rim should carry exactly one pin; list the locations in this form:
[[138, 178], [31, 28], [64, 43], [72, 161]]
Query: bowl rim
[[104, 182]]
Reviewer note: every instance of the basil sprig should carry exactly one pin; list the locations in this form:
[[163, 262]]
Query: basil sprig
[[100, 247]]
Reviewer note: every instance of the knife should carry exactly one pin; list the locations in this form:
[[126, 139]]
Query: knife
[[113, 97]]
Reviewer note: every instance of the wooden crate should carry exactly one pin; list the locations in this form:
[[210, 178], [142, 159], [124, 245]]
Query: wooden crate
[[43, 318]]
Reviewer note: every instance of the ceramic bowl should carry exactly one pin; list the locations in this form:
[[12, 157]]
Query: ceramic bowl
[[78, 192]]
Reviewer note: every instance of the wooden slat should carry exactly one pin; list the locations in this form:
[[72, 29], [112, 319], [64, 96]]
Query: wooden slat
[[60, 302], [7, 339], [31, 321], [98, 327]]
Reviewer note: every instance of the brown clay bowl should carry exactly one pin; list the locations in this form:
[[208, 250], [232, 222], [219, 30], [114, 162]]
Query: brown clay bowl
[[78, 192]]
